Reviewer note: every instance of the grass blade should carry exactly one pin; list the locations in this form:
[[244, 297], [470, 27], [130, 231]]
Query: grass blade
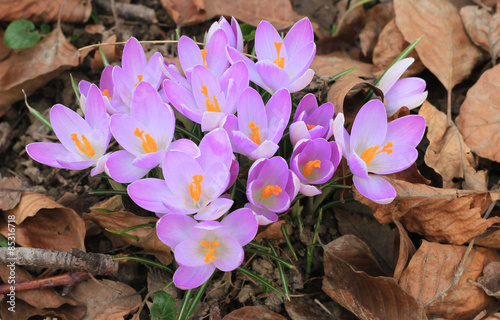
[[284, 280], [146, 261], [287, 240], [259, 279]]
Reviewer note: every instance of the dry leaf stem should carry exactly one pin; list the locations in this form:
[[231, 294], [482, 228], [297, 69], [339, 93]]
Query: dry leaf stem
[[68, 279]]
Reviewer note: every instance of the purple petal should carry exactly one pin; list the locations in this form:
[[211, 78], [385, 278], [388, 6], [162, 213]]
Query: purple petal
[[308, 104], [189, 253], [100, 165], [407, 130], [151, 73], [278, 110], [216, 53], [229, 254], [67, 122], [149, 160], [273, 76], [234, 56], [189, 278], [410, 102], [276, 203], [393, 74], [214, 210], [375, 188], [239, 35], [147, 193], [179, 169], [46, 152], [341, 136], [401, 157], [263, 216], [265, 38], [203, 79], [134, 58], [299, 63], [72, 161], [212, 120], [301, 82], [121, 169], [179, 95], [357, 165], [123, 128], [275, 172], [251, 109], [186, 146], [170, 71], [239, 73], [298, 131], [256, 168], [124, 85], [309, 191], [215, 147], [299, 35], [266, 149], [106, 81], [189, 53], [321, 115], [369, 127], [173, 229], [242, 224]]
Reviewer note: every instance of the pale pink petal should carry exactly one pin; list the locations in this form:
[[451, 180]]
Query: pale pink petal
[[375, 188]]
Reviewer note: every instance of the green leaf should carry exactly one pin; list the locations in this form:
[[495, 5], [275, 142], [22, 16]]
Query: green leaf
[[248, 31], [163, 307], [21, 34], [45, 29]]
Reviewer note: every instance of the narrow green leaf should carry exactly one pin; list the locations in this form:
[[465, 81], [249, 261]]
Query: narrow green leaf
[[37, 114], [105, 192], [184, 306], [248, 31], [75, 88], [287, 240], [138, 226], [312, 246], [197, 296], [281, 270], [105, 61], [102, 210], [3, 241], [121, 233], [163, 307], [269, 255], [258, 246], [259, 279], [146, 261], [21, 34], [342, 73]]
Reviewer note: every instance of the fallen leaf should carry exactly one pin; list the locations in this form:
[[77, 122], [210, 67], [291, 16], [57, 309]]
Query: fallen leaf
[[26, 311], [251, 313], [405, 249], [10, 192], [389, 45], [106, 299], [271, 231], [304, 308], [448, 154], [365, 296], [490, 280], [46, 10], [442, 215], [112, 53], [32, 68], [483, 27], [4, 50], [338, 61], [430, 274], [490, 239], [185, 12], [43, 223], [445, 48], [121, 220], [410, 174], [343, 86], [376, 18], [479, 117]]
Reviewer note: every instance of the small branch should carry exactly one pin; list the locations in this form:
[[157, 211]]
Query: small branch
[[67, 280]]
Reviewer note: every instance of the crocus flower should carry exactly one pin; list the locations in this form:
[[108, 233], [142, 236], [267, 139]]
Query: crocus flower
[[84, 141], [191, 184], [314, 162], [377, 147], [211, 98], [282, 63], [271, 185], [145, 135], [232, 31], [258, 129], [135, 69], [200, 248], [311, 122], [408, 92], [263, 216]]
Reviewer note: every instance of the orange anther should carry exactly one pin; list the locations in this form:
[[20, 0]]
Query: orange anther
[[85, 147]]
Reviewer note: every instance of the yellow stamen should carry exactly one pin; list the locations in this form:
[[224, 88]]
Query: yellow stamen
[[204, 55], [268, 190], [195, 191], [210, 106], [85, 147], [210, 246], [140, 79], [148, 143], [280, 62], [309, 167], [371, 152], [310, 126], [255, 132], [105, 92]]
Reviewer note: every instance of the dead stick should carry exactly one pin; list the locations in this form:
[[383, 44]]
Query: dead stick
[[95, 263], [67, 280]]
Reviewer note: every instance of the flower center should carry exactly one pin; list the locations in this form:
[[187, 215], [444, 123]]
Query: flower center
[[255, 132], [208, 103], [204, 55], [369, 153], [85, 147], [309, 167], [310, 126], [195, 187], [105, 92], [148, 143], [280, 62], [269, 190], [139, 76], [210, 246]]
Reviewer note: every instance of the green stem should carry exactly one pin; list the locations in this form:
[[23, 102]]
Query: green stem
[[288, 241], [185, 303], [188, 133], [258, 278], [146, 261], [310, 249], [106, 192], [258, 246], [274, 257], [197, 297], [284, 280]]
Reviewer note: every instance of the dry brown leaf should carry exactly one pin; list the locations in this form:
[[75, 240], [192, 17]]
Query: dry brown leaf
[[31, 68], [389, 45], [121, 220], [490, 239], [304, 308], [331, 64], [445, 48], [343, 86], [10, 193], [483, 27], [365, 296], [448, 154], [25, 311], [443, 215], [4, 50], [185, 12], [251, 313], [490, 280], [44, 223], [46, 10], [410, 174], [112, 53], [271, 231], [106, 299], [479, 118], [430, 274], [405, 251], [376, 18]]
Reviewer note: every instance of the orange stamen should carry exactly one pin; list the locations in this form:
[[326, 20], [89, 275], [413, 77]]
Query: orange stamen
[[309, 167], [140, 79], [210, 246], [105, 92], [310, 126], [280, 62], [85, 147], [204, 55], [268, 190], [195, 191], [371, 152], [148, 143], [210, 106], [255, 132]]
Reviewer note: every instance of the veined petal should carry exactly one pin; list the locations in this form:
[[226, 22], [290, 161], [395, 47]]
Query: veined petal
[[393, 74], [173, 229], [189, 253], [147, 193], [216, 53], [309, 190], [149, 160], [229, 254], [357, 165], [341, 136], [72, 161], [407, 130], [215, 147], [301, 82], [189, 278], [375, 188], [46, 152], [242, 224], [410, 102], [121, 169], [273, 76], [265, 38], [214, 210], [235, 56], [401, 157], [189, 53], [263, 216], [369, 127], [134, 58], [298, 36], [67, 122]]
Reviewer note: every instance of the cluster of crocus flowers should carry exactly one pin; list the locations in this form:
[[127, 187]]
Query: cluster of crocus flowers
[[191, 185]]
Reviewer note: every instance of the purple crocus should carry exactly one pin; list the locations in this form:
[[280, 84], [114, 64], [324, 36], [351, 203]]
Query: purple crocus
[[263, 215], [135, 69], [84, 141], [271, 185], [408, 92], [191, 184], [258, 129], [314, 162], [211, 98], [377, 147], [232, 31], [282, 63], [200, 248], [311, 122]]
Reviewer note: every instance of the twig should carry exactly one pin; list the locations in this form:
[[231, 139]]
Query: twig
[[127, 11], [68, 279]]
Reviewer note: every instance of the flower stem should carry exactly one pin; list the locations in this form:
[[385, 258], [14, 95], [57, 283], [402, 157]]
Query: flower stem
[[184, 306]]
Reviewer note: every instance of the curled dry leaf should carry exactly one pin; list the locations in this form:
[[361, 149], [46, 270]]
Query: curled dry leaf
[[250, 313], [44, 223], [429, 277], [331, 64], [106, 299], [304, 308], [10, 193], [438, 21], [479, 118], [448, 154], [443, 215], [46, 10], [490, 281], [376, 18], [4, 50], [31, 68], [405, 250], [121, 220], [389, 45], [483, 27], [26, 311], [271, 231], [365, 296], [343, 86]]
